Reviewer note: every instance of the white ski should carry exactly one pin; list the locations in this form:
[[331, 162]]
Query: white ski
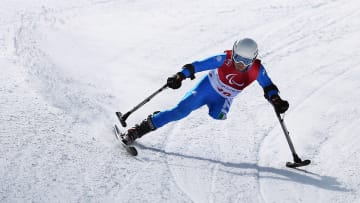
[[130, 149]]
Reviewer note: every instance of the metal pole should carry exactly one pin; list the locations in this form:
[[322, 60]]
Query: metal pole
[[122, 118], [288, 139]]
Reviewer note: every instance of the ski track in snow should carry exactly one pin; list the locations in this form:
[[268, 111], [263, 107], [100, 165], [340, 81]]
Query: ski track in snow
[[61, 93], [326, 84]]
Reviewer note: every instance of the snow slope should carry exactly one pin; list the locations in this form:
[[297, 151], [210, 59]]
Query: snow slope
[[67, 66]]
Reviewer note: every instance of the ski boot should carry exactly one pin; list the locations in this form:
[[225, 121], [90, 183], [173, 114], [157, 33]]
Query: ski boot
[[138, 131]]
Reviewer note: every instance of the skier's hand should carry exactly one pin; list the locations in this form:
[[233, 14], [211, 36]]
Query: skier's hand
[[174, 81], [280, 105]]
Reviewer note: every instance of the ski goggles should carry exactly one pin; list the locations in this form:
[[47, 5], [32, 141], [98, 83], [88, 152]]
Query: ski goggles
[[239, 59]]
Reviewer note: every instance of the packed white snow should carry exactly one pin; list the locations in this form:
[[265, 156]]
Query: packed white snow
[[67, 66]]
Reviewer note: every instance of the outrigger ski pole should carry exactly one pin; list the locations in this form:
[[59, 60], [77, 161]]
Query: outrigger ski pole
[[297, 161], [122, 118]]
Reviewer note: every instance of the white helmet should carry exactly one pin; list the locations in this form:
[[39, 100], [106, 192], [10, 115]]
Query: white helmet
[[245, 49]]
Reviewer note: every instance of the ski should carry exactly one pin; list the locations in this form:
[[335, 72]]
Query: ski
[[130, 149], [298, 164]]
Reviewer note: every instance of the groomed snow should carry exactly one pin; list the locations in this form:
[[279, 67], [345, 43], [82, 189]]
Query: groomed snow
[[67, 66]]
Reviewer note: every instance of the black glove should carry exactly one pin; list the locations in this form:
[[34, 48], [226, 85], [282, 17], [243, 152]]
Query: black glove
[[174, 81], [280, 105]]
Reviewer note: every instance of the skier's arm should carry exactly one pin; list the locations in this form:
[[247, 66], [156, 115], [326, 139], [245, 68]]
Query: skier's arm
[[210, 63], [271, 92], [189, 70], [265, 82]]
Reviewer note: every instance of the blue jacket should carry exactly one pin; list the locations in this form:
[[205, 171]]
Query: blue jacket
[[217, 61]]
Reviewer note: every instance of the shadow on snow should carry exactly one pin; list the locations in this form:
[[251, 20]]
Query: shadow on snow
[[293, 175]]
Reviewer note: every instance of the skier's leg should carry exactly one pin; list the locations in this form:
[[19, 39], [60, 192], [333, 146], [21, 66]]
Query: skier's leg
[[219, 107], [193, 100]]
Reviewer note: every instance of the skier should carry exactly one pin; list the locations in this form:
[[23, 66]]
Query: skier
[[230, 72]]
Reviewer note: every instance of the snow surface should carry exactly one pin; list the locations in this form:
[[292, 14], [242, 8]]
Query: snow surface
[[67, 66]]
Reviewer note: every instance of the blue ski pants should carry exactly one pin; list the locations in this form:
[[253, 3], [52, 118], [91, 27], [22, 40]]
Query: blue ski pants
[[202, 94]]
